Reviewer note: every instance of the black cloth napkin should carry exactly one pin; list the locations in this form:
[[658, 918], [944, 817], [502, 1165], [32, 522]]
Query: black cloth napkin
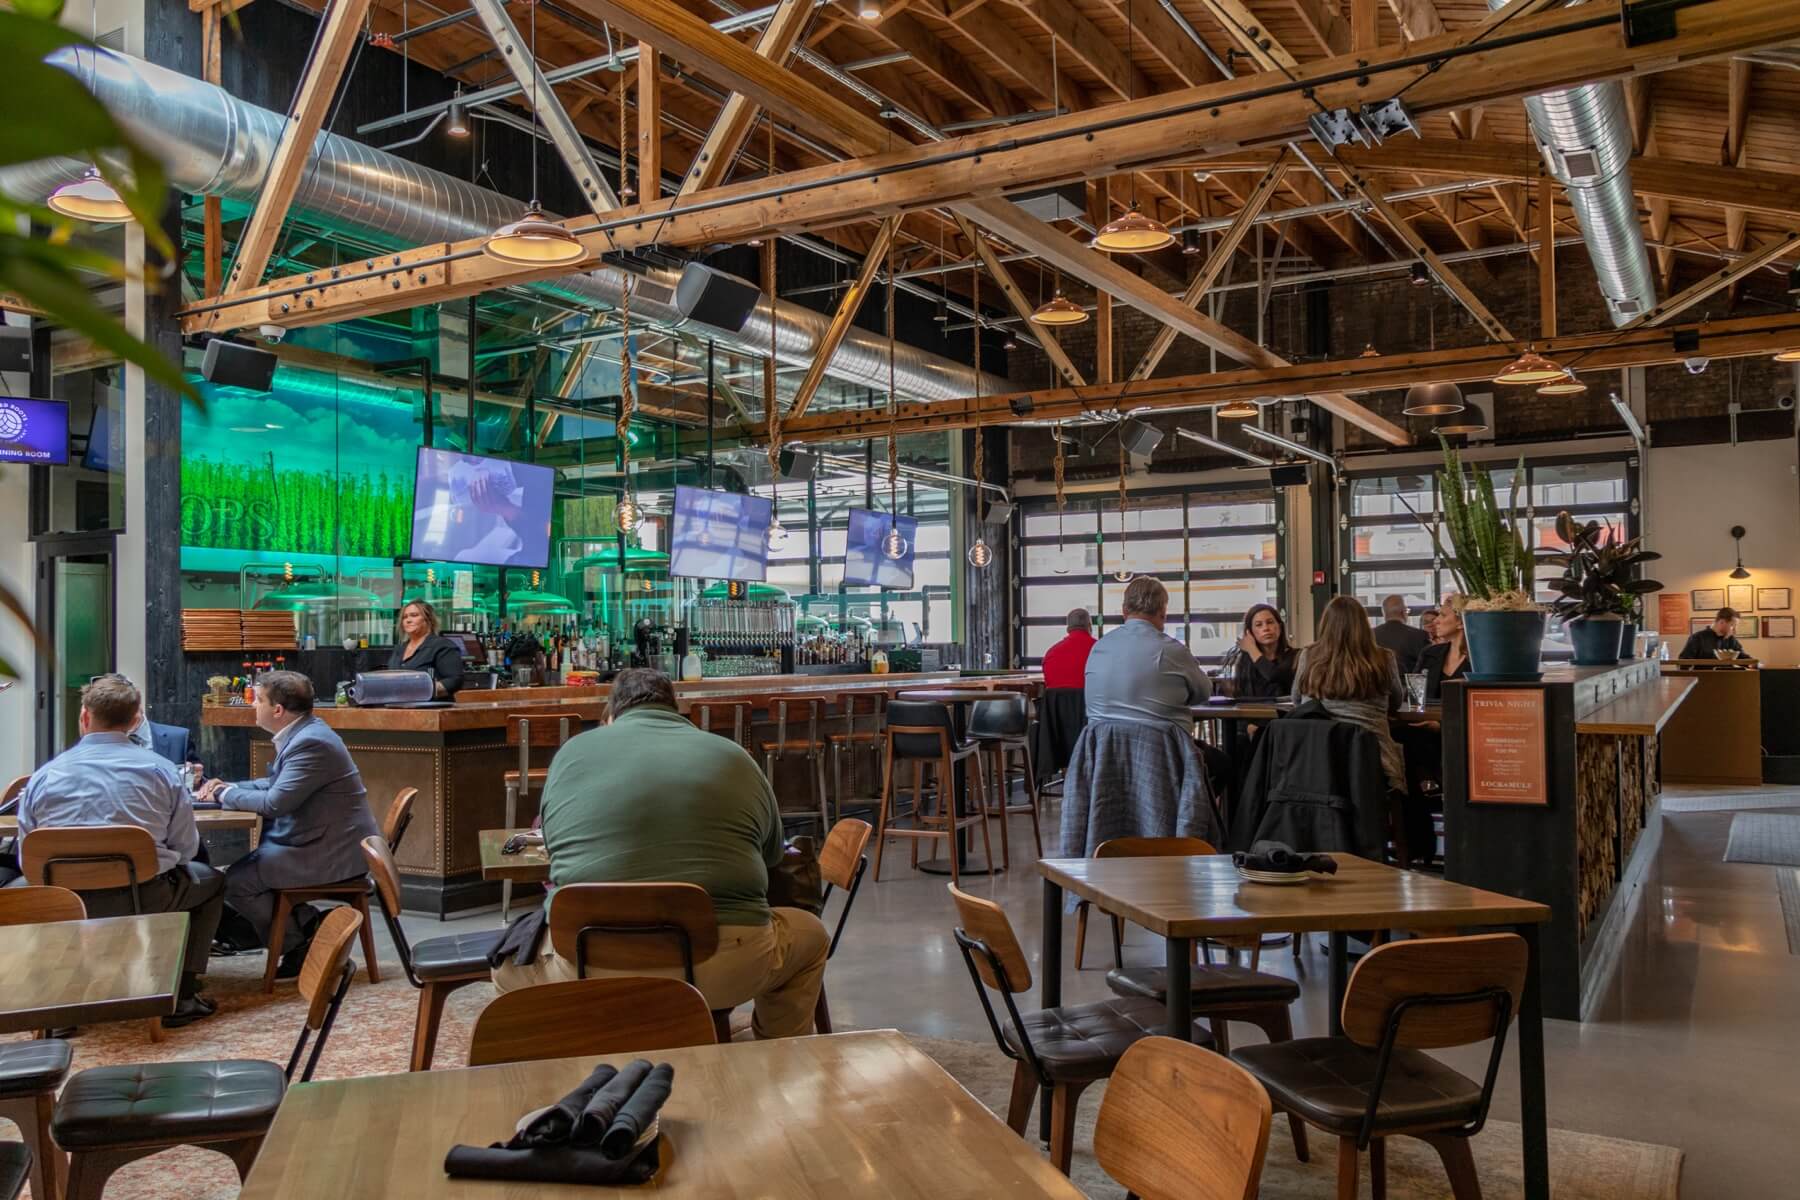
[[597, 1115], [556, 1124], [639, 1111], [590, 1136], [522, 939], [1278, 856], [552, 1164]]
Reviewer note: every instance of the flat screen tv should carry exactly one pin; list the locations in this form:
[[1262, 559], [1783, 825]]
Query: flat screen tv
[[101, 453], [34, 431], [864, 563], [720, 535], [472, 509]]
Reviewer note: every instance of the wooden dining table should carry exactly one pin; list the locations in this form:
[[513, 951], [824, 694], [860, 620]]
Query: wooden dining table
[[530, 865], [209, 820], [61, 973], [815, 1117], [1182, 899]]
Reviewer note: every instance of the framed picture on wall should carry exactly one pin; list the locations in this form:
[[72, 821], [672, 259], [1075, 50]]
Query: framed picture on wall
[[1748, 627], [1743, 597], [1778, 627], [1708, 600], [1776, 599], [1696, 624]]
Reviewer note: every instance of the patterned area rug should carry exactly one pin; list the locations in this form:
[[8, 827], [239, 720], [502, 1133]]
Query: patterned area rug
[[374, 1032]]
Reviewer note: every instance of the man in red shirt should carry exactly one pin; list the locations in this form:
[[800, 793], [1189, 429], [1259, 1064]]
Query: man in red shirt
[[1065, 664]]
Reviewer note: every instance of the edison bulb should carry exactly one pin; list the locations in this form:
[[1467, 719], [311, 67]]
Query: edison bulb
[[893, 544], [980, 554], [628, 514], [778, 534]]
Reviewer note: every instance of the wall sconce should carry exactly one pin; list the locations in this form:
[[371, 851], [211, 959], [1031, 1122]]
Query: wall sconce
[[1737, 535]]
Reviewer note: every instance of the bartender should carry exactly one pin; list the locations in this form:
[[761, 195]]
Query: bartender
[[1720, 635], [425, 649]]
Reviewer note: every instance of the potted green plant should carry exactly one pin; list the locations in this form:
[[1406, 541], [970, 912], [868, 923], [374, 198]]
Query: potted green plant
[[1502, 622], [1596, 587]]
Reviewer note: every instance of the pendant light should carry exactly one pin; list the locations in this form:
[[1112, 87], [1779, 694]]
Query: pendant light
[[1531, 367], [980, 553], [1059, 309], [1465, 427], [893, 542], [534, 239], [89, 198], [1433, 400], [1789, 356], [1737, 535], [1133, 233], [1568, 385], [1238, 410]]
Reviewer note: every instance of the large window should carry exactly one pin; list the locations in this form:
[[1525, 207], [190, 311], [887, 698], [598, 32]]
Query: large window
[[1217, 551]]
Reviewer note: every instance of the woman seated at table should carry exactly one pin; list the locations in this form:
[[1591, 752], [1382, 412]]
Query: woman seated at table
[[1263, 661], [1447, 658]]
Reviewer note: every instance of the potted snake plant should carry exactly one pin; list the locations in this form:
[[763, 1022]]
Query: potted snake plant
[[1485, 546], [1596, 588]]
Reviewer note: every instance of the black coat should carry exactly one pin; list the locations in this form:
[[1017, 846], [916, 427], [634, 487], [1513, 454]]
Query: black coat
[[1062, 714], [1262, 678], [438, 654], [1316, 784], [1432, 664], [1406, 641]]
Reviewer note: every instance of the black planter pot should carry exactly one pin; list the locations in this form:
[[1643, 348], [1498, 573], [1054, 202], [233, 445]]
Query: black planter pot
[[1628, 643], [1596, 641], [1504, 647]]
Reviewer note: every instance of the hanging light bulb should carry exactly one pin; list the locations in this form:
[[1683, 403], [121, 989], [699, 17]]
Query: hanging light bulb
[[89, 198], [458, 124], [1011, 343], [1239, 410], [1190, 242], [1059, 310], [778, 534], [1568, 385], [868, 10], [1133, 233], [1531, 367], [980, 554], [893, 543], [1421, 274], [1433, 400], [1124, 574], [628, 514]]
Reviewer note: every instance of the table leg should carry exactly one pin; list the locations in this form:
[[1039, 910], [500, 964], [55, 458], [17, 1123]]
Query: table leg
[[1178, 957], [1050, 985], [1340, 979], [1533, 1114]]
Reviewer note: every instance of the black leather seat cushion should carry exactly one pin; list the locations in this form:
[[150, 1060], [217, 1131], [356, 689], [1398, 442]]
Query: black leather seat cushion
[[1211, 985], [456, 954], [176, 1101], [1327, 1082], [27, 1068], [15, 1165], [1083, 1042]]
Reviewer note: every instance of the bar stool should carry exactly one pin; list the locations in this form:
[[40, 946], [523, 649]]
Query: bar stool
[[923, 734], [526, 730], [713, 716], [852, 739], [1002, 726], [789, 713]]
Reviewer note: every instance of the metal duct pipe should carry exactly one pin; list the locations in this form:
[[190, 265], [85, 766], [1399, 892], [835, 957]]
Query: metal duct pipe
[[211, 143], [1585, 133]]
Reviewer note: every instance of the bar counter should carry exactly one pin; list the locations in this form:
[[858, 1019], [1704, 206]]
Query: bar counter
[[457, 757]]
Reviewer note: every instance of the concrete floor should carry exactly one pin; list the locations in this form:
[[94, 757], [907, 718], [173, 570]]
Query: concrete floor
[[1694, 1045]]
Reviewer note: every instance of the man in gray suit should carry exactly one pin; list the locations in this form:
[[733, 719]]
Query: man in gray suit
[[314, 810]]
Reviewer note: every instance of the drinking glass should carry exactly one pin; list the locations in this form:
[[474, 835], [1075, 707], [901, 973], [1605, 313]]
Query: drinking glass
[[1415, 689]]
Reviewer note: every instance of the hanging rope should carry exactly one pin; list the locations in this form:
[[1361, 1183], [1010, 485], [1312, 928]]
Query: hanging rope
[[625, 192], [628, 515], [893, 432]]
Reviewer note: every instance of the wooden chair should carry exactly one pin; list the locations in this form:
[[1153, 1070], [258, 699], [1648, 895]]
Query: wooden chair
[[526, 731], [586, 1018], [1063, 1049], [841, 865], [850, 739], [436, 966], [225, 1106], [351, 893], [1376, 1081], [922, 733], [399, 815], [637, 927], [9, 799], [797, 723], [714, 716], [38, 905], [16, 1162], [1002, 727], [1181, 1123]]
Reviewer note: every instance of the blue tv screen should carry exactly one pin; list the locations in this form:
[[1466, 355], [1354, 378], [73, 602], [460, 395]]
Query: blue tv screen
[[720, 535], [864, 562], [34, 431], [473, 509]]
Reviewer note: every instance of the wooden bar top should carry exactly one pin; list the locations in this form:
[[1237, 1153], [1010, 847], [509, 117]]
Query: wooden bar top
[[1641, 712], [489, 709]]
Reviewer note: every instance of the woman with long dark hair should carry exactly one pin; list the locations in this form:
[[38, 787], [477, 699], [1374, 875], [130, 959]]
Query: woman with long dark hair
[[1265, 661], [1355, 679]]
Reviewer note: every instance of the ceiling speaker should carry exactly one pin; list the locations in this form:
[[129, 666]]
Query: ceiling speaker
[[1287, 476], [799, 464], [233, 364], [1140, 438]]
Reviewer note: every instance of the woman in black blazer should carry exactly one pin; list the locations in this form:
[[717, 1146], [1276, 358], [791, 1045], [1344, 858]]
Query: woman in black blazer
[[1264, 666], [1448, 659], [425, 649]]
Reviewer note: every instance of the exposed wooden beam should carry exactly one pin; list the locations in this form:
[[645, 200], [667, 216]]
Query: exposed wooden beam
[[1328, 27], [1546, 240], [1248, 31], [1002, 43], [1227, 245], [1021, 303], [212, 218], [1085, 40], [1511, 13], [1640, 107], [844, 317], [906, 32], [1169, 42], [1719, 280], [649, 123], [1737, 122], [1419, 19], [712, 164], [338, 33], [1365, 25]]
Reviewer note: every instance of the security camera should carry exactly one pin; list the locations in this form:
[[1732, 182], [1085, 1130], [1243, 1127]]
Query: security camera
[[272, 333], [1696, 364]]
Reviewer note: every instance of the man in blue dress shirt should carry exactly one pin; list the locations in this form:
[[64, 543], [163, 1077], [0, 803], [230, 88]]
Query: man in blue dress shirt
[[107, 779]]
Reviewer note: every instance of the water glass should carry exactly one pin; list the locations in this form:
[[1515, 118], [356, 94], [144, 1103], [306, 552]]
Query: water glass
[[1415, 689]]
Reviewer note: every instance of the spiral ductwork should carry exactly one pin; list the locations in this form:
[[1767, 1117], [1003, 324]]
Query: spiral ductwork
[[1585, 133], [213, 144]]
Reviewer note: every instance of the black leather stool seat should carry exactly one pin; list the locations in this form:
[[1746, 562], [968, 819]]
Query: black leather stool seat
[[1327, 1081], [456, 954], [172, 1102], [1083, 1042], [1211, 985], [15, 1165], [27, 1068]]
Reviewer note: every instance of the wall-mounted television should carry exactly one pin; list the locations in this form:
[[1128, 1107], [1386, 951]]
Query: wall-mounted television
[[102, 452], [865, 564], [720, 535], [34, 431], [473, 509]]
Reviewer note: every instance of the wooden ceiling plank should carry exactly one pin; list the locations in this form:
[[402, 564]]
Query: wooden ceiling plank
[[712, 164], [1087, 42], [844, 317], [1248, 31], [1328, 27], [1365, 25], [649, 123], [906, 32], [1170, 42], [1546, 244], [1002, 43], [1021, 304]]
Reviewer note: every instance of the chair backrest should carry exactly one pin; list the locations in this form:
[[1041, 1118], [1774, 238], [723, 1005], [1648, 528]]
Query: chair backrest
[[986, 922], [914, 727], [842, 850], [399, 816], [86, 858], [324, 978], [864, 703], [792, 710], [1448, 990], [541, 728], [1179, 1122], [38, 905], [1006, 715], [380, 857], [634, 925], [1153, 847], [727, 718], [9, 799], [588, 1017]]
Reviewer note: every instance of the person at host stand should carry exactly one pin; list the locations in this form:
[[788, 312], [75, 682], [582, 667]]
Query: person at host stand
[[1065, 664], [1720, 635], [424, 648]]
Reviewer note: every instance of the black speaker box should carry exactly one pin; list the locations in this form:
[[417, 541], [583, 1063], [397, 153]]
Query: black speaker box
[[1140, 439], [1292, 475], [15, 349], [233, 364], [714, 297], [799, 464]]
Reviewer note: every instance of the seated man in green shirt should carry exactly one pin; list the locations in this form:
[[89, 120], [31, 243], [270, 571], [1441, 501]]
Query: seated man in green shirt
[[650, 798]]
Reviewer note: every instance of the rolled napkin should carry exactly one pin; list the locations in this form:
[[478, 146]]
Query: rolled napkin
[[555, 1124], [637, 1113], [522, 940], [552, 1164], [604, 1105], [1278, 856]]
